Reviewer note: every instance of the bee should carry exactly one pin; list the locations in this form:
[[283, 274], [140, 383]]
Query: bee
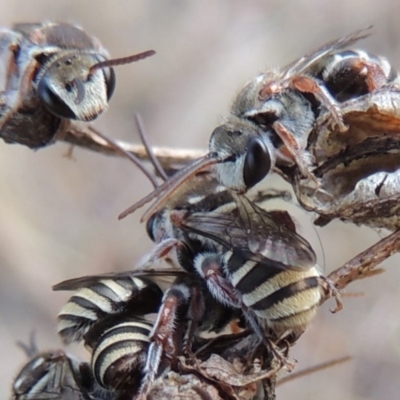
[[102, 296], [107, 313], [119, 348], [55, 375], [189, 295], [54, 73], [280, 268], [127, 350], [273, 116], [267, 270]]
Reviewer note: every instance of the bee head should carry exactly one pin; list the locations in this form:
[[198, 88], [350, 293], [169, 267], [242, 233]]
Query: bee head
[[79, 85], [68, 91], [244, 152]]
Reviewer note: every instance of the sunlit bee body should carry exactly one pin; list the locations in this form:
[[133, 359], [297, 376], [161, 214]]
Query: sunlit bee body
[[107, 313], [125, 347], [266, 269], [281, 300], [272, 117], [251, 260], [96, 299], [119, 352], [54, 73]]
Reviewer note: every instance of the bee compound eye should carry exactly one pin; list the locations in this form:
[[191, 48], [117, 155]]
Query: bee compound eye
[[109, 77], [52, 101], [257, 162], [150, 227]]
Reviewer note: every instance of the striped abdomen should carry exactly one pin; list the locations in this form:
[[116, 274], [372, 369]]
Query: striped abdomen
[[281, 298], [119, 354], [104, 297]]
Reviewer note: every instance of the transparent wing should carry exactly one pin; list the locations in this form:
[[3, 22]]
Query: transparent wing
[[152, 275], [301, 65], [262, 235]]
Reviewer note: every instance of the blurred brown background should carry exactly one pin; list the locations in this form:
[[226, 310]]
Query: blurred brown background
[[58, 217]]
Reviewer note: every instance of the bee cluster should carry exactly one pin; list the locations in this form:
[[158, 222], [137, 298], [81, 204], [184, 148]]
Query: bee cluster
[[326, 123]]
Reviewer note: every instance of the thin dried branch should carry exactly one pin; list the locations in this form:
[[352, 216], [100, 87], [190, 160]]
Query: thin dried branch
[[168, 157], [362, 265], [311, 370]]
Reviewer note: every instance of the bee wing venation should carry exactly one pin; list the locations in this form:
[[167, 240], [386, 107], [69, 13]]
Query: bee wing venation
[[254, 231], [301, 65], [87, 281]]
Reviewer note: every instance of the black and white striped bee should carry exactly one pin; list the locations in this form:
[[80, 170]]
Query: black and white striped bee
[[262, 248], [56, 375], [250, 259], [98, 297], [203, 195], [273, 116], [266, 269], [110, 314]]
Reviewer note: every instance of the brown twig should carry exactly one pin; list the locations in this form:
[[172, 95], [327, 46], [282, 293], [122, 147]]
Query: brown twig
[[362, 265], [167, 156], [311, 370]]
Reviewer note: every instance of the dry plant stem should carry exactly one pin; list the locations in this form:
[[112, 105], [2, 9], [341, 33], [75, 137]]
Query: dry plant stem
[[149, 149], [362, 265], [127, 154], [166, 156], [311, 370]]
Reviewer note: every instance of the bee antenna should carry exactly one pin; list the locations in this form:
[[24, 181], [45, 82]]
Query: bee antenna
[[163, 192], [129, 155], [120, 61], [152, 157]]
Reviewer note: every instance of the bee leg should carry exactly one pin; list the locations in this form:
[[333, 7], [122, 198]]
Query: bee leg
[[281, 357], [69, 154], [159, 252], [167, 335], [293, 146], [210, 267], [19, 73], [196, 311], [9, 48], [150, 370], [376, 77], [306, 84], [272, 194], [331, 291]]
